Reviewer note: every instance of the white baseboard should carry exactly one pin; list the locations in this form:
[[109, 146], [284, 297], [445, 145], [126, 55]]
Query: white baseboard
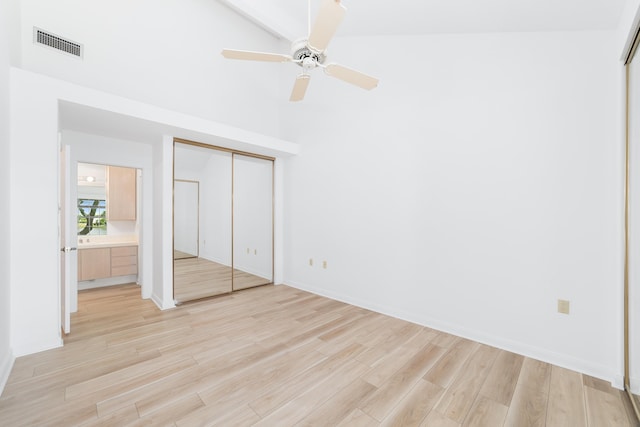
[[161, 303], [544, 355], [618, 382], [6, 364], [634, 383], [110, 281], [157, 300], [31, 348]]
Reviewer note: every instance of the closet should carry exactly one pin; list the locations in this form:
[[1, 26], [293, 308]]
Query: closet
[[222, 220]]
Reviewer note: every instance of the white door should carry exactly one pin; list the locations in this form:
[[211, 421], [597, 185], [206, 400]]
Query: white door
[[68, 239]]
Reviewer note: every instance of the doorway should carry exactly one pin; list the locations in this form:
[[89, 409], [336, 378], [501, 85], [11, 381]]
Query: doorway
[[119, 241]]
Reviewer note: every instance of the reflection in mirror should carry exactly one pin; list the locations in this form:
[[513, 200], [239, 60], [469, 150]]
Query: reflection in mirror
[[208, 273], [252, 221], [92, 196], [186, 212]]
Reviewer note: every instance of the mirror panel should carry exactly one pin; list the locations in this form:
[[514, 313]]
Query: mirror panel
[[186, 217], [209, 273], [252, 221]]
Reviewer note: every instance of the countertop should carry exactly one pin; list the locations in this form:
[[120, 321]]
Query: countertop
[[105, 242]]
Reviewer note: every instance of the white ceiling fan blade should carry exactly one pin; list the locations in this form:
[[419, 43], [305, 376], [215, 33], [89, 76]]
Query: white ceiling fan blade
[[300, 87], [329, 18], [351, 76], [254, 56]]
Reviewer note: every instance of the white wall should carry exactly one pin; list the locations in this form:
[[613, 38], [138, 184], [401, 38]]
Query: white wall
[[35, 323], [7, 15], [164, 53], [476, 186], [162, 289], [628, 20]]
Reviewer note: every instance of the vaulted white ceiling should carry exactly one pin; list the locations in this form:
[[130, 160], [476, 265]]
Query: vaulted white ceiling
[[288, 18]]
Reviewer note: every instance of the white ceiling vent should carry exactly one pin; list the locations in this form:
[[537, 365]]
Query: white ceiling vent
[[46, 38]]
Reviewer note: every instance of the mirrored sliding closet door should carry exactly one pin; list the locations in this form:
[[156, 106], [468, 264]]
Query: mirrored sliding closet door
[[252, 221], [206, 271], [223, 221]]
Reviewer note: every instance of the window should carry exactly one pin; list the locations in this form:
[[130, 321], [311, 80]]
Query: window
[[92, 217]]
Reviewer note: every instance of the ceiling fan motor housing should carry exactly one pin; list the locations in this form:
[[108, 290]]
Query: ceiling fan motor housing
[[300, 51]]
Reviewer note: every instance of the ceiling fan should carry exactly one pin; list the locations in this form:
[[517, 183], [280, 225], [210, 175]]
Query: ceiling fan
[[310, 53]]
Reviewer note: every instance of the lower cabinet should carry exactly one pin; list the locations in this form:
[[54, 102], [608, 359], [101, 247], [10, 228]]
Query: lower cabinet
[[94, 263], [101, 263], [124, 261]]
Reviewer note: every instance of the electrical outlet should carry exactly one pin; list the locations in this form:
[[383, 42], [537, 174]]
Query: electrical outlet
[[310, 262], [324, 264], [563, 306]]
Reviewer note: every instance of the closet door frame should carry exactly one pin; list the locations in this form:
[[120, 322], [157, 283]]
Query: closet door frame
[[243, 153], [631, 50]]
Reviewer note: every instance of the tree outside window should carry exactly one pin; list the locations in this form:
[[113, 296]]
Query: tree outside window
[[92, 217]]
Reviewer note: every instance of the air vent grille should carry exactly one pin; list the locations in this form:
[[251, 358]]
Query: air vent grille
[[56, 42]]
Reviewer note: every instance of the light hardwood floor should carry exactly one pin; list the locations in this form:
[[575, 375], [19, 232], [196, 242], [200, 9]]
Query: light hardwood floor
[[196, 278], [277, 356], [181, 255]]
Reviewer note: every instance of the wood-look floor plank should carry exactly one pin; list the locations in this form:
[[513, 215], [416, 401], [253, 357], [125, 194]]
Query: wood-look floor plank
[[382, 401], [274, 398], [605, 409], [386, 367], [528, 408], [296, 409], [447, 368], [535, 375], [240, 416], [628, 406], [386, 340], [131, 376], [275, 355], [124, 416], [437, 419], [357, 418], [460, 396], [339, 406], [413, 409], [486, 412], [502, 379], [167, 414], [566, 399]]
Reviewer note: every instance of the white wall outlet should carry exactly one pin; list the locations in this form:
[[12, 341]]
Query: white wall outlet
[[564, 306]]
